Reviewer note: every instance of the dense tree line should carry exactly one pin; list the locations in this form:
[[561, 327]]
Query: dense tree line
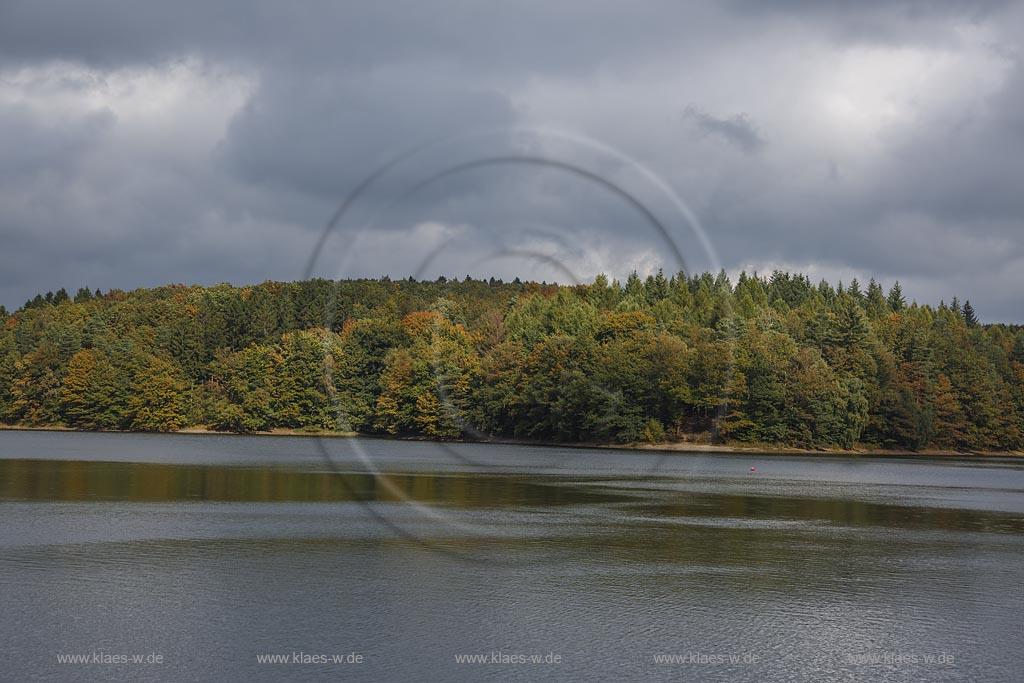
[[774, 360]]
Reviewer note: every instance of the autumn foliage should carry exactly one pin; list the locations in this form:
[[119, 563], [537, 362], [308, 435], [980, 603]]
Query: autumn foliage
[[772, 360]]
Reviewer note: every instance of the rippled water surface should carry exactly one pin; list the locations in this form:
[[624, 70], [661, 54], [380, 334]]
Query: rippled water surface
[[215, 551]]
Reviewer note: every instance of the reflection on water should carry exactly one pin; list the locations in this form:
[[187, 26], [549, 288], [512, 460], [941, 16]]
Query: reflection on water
[[83, 480], [213, 550], [76, 480]]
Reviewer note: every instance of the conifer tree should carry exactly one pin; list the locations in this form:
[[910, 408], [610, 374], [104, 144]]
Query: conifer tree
[[876, 304], [897, 302], [969, 315]]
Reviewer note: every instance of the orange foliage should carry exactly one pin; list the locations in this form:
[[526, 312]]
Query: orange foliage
[[421, 321]]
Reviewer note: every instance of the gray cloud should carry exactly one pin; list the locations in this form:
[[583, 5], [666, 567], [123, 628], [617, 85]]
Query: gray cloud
[[324, 133], [737, 130], [210, 141]]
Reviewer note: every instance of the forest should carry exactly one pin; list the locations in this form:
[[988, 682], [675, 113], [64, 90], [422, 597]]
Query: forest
[[763, 360]]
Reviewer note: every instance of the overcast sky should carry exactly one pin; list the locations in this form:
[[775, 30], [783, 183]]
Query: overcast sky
[[201, 141]]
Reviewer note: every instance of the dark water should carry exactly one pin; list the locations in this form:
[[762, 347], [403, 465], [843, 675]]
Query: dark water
[[213, 551]]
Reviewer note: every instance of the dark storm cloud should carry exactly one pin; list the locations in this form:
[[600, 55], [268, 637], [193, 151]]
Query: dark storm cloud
[[323, 133], [528, 35], [143, 143]]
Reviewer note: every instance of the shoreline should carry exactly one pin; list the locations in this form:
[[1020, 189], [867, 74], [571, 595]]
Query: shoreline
[[734, 448]]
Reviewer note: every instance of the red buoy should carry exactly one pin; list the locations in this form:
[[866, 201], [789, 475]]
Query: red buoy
[[752, 469]]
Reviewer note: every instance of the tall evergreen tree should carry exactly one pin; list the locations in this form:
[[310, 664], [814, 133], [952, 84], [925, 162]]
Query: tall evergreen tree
[[897, 302], [969, 315], [876, 304]]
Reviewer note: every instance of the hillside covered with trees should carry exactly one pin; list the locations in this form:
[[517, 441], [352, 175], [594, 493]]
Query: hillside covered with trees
[[774, 360]]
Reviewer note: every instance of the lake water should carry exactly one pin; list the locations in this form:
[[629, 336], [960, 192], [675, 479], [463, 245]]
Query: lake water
[[401, 558]]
